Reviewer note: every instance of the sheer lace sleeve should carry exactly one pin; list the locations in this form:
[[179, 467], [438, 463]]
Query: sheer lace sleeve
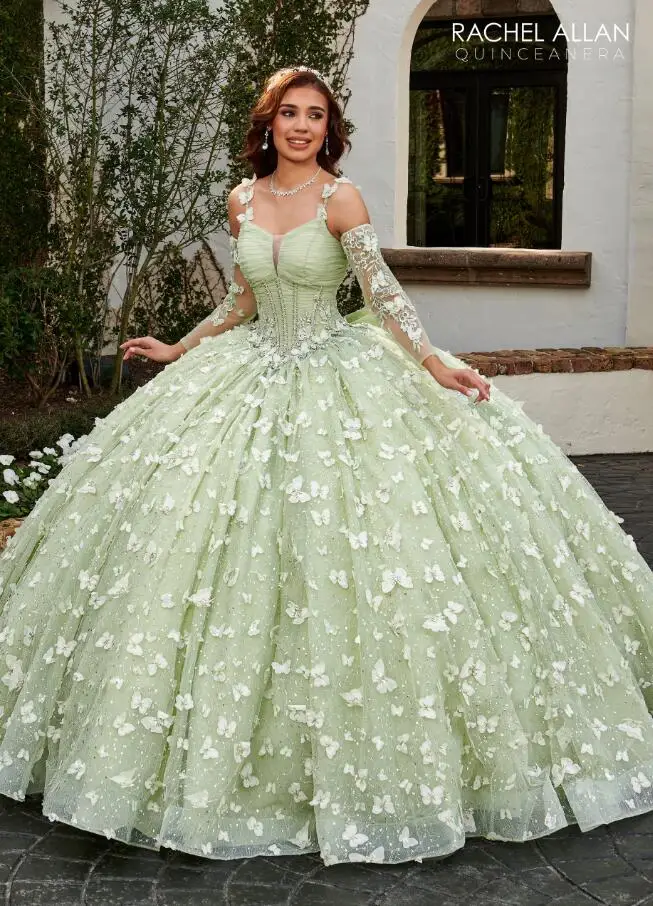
[[237, 307], [383, 293]]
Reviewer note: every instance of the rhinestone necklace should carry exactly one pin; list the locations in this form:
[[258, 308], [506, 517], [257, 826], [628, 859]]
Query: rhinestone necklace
[[285, 193]]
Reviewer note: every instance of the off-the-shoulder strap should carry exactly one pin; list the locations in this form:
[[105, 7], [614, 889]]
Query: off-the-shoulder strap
[[329, 189]]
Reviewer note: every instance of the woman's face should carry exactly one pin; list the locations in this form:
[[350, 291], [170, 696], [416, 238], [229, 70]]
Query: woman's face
[[301, 124]]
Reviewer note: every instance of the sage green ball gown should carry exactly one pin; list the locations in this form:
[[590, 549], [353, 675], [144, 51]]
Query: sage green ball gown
[[294, 596]]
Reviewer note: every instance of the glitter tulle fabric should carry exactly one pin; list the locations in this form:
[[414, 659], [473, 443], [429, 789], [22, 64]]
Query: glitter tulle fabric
[[294, 596]]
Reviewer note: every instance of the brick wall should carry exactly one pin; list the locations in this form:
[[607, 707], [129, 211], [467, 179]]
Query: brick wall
[[546, 361]]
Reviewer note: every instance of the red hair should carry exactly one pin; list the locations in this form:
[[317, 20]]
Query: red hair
[[266, 108]]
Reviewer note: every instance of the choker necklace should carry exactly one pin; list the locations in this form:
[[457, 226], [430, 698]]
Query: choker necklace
[[285, 193]]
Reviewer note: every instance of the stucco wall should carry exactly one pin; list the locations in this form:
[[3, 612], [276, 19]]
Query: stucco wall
[[596, 197]]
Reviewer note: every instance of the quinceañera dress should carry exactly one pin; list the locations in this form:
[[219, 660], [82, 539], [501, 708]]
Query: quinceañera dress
[[295, 596]]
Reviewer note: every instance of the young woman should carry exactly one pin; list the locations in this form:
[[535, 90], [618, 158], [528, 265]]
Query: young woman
[[299, 593]]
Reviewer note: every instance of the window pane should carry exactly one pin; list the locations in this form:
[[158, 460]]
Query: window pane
[[521, 167], [438, 164]]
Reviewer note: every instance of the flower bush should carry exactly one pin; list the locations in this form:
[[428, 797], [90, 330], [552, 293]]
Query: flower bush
[[23, 484]]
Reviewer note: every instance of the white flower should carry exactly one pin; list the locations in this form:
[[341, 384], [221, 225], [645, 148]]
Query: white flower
[[123, 726], [240, 690], [77, 769], [184, 702], [202, 597], [6, 459], [27, 713], [10, 496], [10, 477], [640, 782], [134, 645], [331, 746]]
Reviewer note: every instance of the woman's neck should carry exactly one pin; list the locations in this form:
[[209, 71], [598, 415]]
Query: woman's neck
[[289, 174]]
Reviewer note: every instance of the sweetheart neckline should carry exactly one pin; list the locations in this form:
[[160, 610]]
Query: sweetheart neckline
[[306, 223]]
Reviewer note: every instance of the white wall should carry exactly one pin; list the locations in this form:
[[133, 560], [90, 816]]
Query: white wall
[[596, 198], [595, 412], [640, 308]]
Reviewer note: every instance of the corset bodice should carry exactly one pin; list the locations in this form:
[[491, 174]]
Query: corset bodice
[[295, 278]]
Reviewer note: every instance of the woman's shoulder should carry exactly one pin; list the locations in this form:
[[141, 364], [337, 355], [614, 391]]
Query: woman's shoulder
[[243, 193], [344, 187], [347, 206]]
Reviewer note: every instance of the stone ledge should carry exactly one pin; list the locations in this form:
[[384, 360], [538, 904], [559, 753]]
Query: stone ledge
[[490, 267], [546, 361]]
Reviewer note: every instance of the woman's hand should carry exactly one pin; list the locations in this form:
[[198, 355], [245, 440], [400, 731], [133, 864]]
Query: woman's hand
[[152, 349], [465, 380]]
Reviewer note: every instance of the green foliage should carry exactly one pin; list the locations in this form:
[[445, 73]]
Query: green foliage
[[38, 428], [38, 319], [176, 298], [23, 207], [147, 108]]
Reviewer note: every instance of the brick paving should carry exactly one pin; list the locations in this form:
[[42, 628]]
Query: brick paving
[[45, 864]]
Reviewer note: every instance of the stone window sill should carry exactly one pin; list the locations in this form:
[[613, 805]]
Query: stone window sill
[[490, 267]]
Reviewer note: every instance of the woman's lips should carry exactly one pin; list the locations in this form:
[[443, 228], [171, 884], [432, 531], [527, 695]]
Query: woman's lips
[[298, 143]]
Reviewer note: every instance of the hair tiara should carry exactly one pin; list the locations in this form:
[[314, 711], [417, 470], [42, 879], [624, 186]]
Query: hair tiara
[[314, 72]]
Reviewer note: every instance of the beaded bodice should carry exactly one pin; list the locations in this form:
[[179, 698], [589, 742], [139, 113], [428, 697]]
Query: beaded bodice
[[291, 281], [294, 276]]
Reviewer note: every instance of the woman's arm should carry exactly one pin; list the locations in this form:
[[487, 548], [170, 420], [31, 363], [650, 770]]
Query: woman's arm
[[239, 305], [350, 220]]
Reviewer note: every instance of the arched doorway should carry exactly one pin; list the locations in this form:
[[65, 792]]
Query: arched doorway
[[488, 98]]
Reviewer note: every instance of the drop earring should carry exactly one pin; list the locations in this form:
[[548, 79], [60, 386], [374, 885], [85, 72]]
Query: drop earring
[[326, 147], [265, 140]]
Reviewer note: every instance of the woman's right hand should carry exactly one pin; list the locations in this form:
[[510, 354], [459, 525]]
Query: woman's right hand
[[152, 349]]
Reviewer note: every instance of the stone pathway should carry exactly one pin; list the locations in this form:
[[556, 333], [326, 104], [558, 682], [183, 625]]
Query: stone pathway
[[45, 864]]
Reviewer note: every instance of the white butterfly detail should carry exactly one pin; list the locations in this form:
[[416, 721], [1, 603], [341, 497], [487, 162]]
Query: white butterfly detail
[[294, 490], [433, 573], [353, 698], [321, 518], [382, 682], [339, 578], [353, 837], [406, 839], [431, 796], [394, 577], [383, 804], [358, 541]]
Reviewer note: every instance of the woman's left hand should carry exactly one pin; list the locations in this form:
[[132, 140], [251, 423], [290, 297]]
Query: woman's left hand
[[465, 380]]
